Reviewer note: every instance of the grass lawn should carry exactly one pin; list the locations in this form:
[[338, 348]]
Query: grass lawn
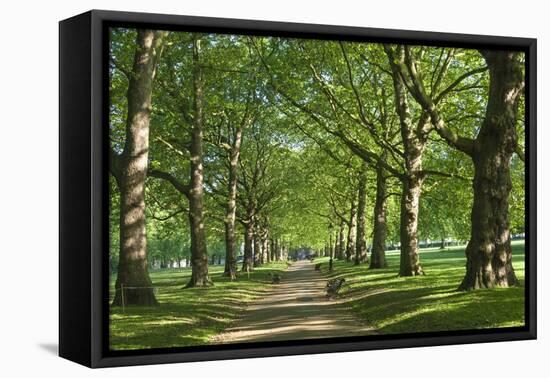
[[186, 316], [388, 303], [431, 302]]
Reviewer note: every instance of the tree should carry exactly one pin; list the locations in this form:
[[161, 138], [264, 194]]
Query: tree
[[352, 230], [489, 253], [199, 255], [276, 140], [233, 157], [234, 99], [361, 244], [130, 170], [328, 92], [191, 115], [414, 139], [380, 231], [257, 187]]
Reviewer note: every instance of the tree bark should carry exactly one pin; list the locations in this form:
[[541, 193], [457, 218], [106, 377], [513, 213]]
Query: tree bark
[[361, 244], [199, 275], [279, 250], [248, 259], [410, 260], [331, 250], [265, 246], [352, 231], [230, 248], [272, 249], [234, 155], [414, 142], [341, 240], [133, 284], [378, 254], [257, 244], [489, 253]]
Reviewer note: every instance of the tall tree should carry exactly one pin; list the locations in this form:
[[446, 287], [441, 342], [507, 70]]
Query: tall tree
[[234, 100], [189, 110], [257, 188], [380, 231], [361, 243], [199, 255], [489, 253], [348, 95], [414, 138], [230, 249], [352, 230], [341, 240], [130, 170]]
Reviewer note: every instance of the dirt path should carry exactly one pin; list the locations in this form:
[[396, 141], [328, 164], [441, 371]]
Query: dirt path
[[294, 309]]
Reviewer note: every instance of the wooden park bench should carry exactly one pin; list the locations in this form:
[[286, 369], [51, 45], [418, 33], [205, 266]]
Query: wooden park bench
[[334, 286]]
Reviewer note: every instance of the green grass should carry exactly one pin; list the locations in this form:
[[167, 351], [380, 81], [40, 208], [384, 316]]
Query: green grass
[[388, 303], [431, 302], [186, 317]]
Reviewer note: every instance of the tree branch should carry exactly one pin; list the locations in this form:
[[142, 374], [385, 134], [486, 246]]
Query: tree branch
[[416, 88], [162, 219], [455, 83], [178, 185], [172, 147]]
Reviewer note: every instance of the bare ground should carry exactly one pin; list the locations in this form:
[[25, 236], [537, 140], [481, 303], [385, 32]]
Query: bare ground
[[297, 308]]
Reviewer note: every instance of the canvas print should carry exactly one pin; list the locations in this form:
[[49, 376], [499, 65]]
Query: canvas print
[[268, 188]]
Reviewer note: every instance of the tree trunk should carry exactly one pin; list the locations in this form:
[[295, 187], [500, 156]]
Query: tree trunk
[[352, 231], [230, 249], [378, 254], [279, 250], [133, 284], [257, 245], [199, 275], [489, 253], [248, 259], [361, 244], [341, 241], [265, 246], [272, 249], [414, 142], [410, 260], [330, 251]]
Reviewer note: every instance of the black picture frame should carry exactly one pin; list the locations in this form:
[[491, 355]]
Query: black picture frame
[[83, 194]]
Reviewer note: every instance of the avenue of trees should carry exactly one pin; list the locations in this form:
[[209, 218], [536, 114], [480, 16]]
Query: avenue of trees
[[221, 141]]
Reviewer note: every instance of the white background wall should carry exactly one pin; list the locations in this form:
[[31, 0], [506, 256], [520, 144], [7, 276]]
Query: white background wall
[[29, 189]]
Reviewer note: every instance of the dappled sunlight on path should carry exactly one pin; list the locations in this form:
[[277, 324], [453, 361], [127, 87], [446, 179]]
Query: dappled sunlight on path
[[295, 309]]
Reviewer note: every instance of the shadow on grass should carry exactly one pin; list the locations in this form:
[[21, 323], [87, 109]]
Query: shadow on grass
[[187, 316], [388, 303], [393, 304]]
